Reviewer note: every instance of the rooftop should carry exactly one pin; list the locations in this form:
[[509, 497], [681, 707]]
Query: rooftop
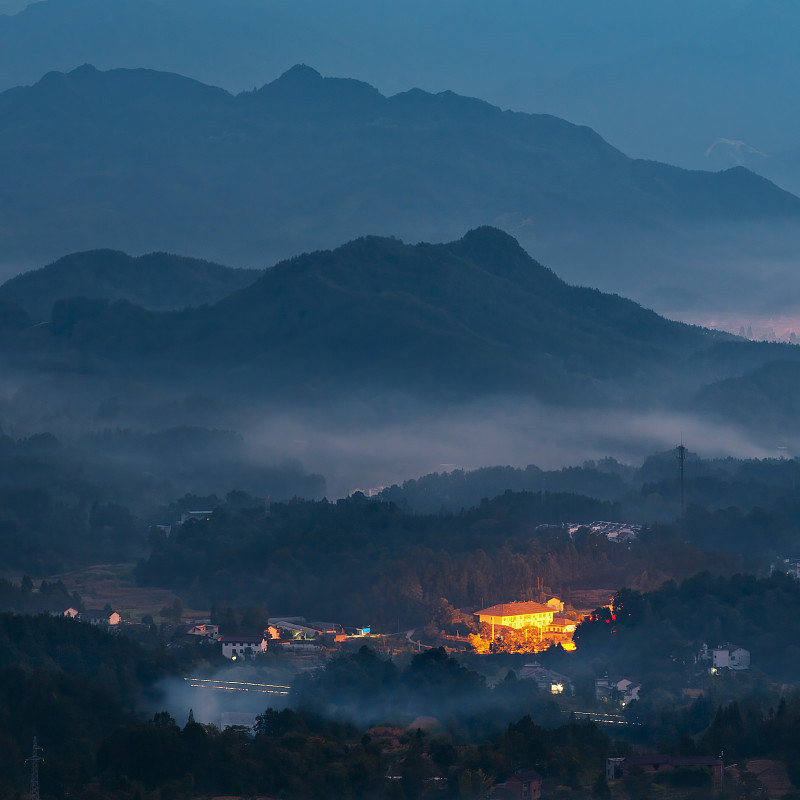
[[515, 609]]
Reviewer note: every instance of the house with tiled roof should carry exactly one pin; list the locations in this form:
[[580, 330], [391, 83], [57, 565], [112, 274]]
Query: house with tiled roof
[[524, 784], [658, 764]]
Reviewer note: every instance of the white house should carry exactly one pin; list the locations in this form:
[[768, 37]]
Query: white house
[[242, 646], [730, 656], [624, 689]]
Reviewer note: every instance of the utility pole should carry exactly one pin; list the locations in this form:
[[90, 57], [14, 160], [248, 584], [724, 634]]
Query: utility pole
[[34, 760], [681, 461]]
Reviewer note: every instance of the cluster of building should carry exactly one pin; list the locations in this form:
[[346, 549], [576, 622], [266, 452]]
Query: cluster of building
[[616, 689], [95, 616], [613, 531], [790, 566], [294, 634]]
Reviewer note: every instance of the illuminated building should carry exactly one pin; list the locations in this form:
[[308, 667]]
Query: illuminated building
[[517, 615]]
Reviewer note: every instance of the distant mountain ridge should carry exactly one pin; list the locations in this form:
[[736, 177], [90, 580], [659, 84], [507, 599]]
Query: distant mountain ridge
[[375, 321], [158, 281], [137, 160], [475, 316], [661, 79]]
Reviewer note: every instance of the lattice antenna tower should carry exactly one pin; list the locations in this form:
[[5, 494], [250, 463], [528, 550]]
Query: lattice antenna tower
[[682, 461], [34, 760]]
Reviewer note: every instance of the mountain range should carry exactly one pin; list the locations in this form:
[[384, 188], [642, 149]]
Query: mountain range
[[445, 324], [664, 79], [137, 160]]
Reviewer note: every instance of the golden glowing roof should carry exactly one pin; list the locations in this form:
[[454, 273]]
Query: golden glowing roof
[[515, 609]]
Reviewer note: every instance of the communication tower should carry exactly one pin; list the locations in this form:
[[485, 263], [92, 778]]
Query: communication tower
[[34, 760], [681, 461]]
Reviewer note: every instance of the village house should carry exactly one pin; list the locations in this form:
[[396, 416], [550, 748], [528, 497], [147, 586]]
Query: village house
[[205, 629], [622, 689], [655, 764], [546, 679], [725, 656], [731, 656], [562, 625], [241, 646], [99, 616], [525, 784]]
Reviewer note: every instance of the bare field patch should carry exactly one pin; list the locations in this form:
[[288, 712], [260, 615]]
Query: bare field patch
[[114, 584]]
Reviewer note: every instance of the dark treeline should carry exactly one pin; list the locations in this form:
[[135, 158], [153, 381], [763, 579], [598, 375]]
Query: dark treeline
[[300, 754], [648, 493], [91, 499], [362, 561], [69, 684], [124, 669], [24, 598]]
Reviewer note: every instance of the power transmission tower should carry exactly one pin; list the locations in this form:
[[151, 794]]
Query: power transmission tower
[[681, 461], [34, 762]]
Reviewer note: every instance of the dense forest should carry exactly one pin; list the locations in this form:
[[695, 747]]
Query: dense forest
[[360, 728], [363, 561]]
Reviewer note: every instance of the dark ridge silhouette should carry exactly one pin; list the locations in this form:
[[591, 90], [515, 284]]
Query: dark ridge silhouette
[[139, 160], [159, 281]]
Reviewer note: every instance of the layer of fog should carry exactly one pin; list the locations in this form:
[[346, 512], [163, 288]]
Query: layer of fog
[[396, 704], [205, 443], [213, 705], [505, 431]]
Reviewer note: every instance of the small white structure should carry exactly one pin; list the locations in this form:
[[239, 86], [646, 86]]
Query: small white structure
[[205, 629], [202, 516], [241, 646], [300, 647], [730, 656], [72, 613], [791, 566], [622, 689]]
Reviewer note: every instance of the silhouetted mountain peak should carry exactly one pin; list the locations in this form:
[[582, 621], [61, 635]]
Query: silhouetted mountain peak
[[501, 254], [304, 86], [489, 238], [300, 75]]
